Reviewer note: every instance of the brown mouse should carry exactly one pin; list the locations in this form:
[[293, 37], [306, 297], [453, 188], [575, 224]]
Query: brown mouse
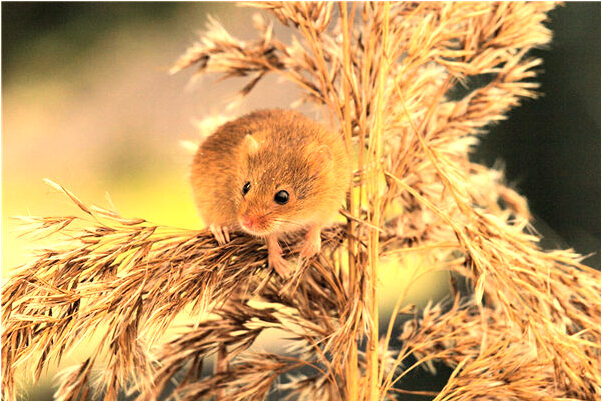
[[268, 173]]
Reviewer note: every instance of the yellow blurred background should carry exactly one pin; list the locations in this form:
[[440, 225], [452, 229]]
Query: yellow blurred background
[[87, 102]]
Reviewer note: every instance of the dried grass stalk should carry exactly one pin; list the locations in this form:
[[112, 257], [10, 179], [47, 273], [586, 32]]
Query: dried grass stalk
[[395, 80]]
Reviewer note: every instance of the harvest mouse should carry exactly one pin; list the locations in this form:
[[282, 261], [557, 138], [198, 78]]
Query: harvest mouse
[[268, 173]]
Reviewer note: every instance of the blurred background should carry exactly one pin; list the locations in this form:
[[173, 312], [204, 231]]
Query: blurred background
[[87, 101]]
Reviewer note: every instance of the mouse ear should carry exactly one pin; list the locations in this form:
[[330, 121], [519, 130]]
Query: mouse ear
[[321, 156], [250, 144]]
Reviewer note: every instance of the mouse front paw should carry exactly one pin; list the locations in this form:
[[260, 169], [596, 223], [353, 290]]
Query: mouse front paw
[[275, 259], [310, 248], [280, 265], [313, 243], [221, 233]]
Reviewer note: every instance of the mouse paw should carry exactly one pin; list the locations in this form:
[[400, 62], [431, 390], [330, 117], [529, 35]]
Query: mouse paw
[[275, 259], [310, 249], [280, 265], [313, 243], [221, 234]]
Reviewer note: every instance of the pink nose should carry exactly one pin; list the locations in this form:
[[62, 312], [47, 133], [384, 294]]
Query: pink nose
[[247, 222]]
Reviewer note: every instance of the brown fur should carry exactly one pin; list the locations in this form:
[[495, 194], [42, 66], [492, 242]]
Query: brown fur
[[290, 152]]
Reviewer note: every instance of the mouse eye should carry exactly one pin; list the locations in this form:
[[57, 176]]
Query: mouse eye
[[281, 197], [246, 188]]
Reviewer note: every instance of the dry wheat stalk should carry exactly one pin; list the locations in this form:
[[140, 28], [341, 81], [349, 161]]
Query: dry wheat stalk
[[388, 78]]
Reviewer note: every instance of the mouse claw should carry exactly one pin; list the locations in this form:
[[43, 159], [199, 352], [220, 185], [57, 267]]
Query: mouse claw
[[226, 233], [221, 234]]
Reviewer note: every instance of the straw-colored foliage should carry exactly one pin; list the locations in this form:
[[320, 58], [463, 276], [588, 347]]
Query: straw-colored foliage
[[408, 86]]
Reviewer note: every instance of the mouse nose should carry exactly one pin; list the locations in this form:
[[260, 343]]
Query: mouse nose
[[247, 222], [253, 223]]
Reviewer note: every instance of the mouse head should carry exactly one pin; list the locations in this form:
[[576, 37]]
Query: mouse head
[[279, 185]]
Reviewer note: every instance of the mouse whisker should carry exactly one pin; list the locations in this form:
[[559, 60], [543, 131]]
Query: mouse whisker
[[289, 222]]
